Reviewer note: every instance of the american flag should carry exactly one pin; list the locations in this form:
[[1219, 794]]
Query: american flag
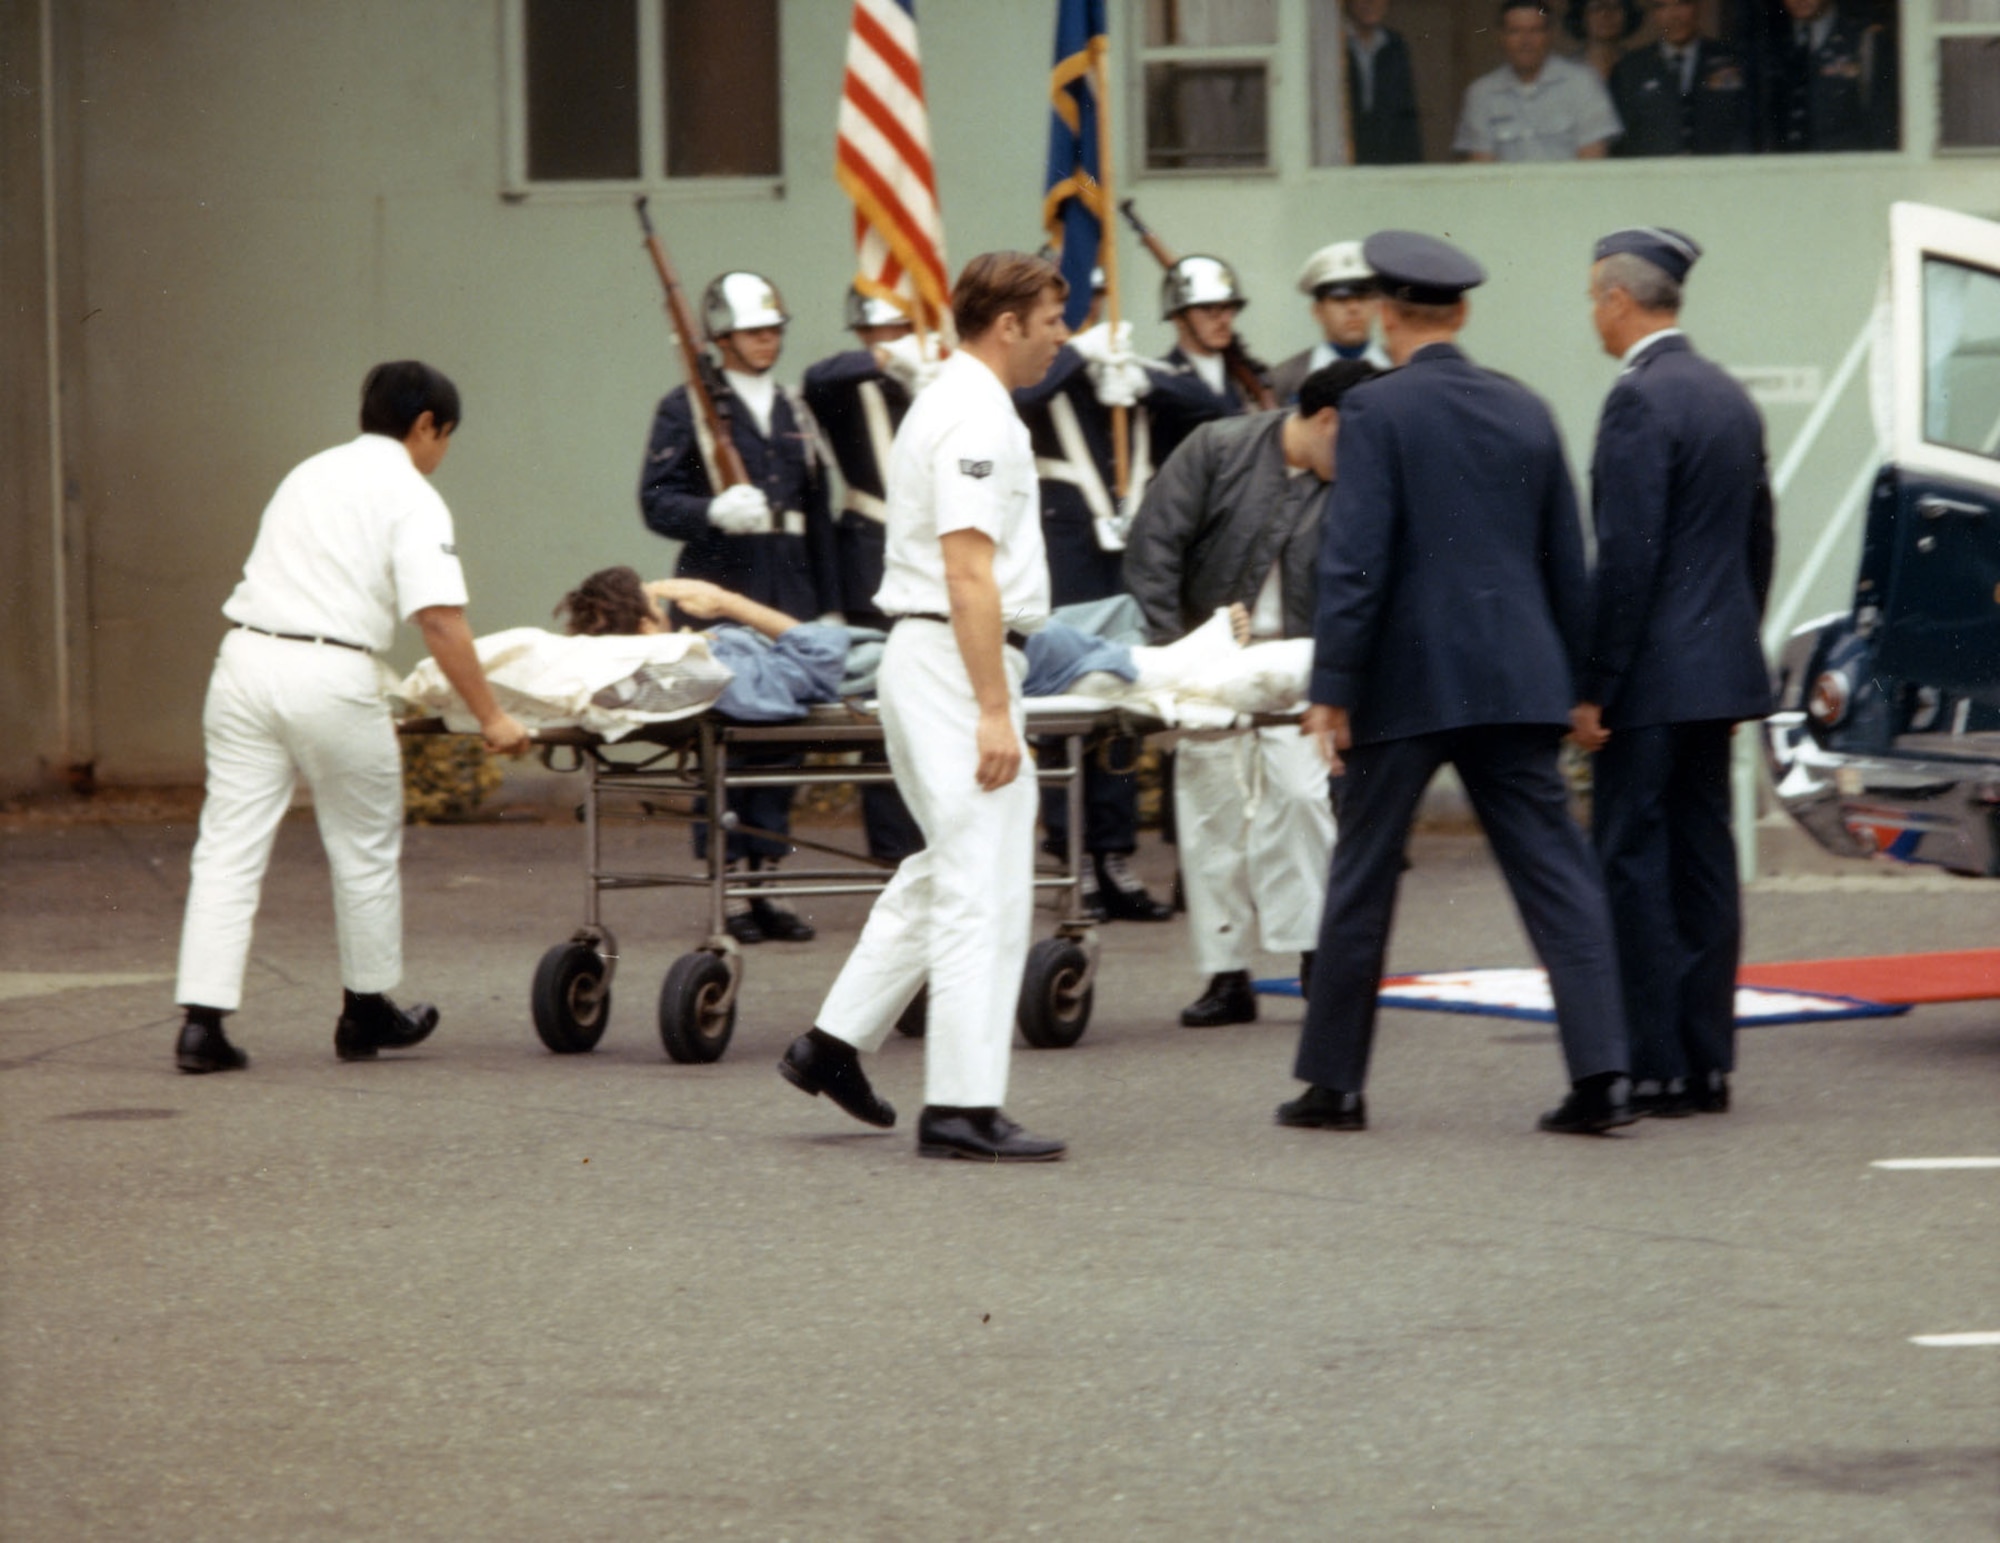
[[882, 160]]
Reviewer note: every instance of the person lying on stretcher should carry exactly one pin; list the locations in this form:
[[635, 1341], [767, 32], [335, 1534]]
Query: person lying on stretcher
[[782, 665]]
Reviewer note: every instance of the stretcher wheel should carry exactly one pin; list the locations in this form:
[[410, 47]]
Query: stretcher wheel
[[1055, 1002], [697, 1012], [917, 1016], [571, 999]]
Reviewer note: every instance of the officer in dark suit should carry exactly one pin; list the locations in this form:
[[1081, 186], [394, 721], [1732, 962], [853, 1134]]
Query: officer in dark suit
[[1832, 81], [770, 538], [1684, 551], [859, 404], [1381, 89], [1686, 94], [1452, 617], [1084, 521]]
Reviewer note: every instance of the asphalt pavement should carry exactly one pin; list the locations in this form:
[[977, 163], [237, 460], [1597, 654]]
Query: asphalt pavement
[[481, 1291]]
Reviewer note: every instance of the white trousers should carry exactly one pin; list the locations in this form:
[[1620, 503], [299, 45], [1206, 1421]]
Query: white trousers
[[1256, 839], [278, 710], [958, 913]]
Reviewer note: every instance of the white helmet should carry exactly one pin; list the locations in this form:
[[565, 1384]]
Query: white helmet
[[739, 300], [872, 311], [1340, 266], [1199, 281]]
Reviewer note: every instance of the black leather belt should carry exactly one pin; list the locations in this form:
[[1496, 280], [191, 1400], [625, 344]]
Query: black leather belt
[[1014, 639], [303, 637]]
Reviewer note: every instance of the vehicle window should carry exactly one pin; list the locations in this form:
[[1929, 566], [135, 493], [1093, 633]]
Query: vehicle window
[[1962, 357]]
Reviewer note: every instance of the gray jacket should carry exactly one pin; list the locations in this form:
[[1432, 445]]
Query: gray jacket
[[1216, 517]]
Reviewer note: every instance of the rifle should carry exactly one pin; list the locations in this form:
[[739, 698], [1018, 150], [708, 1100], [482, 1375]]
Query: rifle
[[1247, 372], [711, 412]]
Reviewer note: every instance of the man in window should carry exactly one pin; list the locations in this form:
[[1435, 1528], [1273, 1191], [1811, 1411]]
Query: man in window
[[1688, 95], [1537, 106], [1833, 81], [1381, 90], [1344, 304], [769, 538]]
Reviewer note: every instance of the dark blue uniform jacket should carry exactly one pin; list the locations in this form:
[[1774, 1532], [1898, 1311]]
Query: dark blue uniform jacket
[[792, 570], [1452, 590], [1684, 546], [833, 392]]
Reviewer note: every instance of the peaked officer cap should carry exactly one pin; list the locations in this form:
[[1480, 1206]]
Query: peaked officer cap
[[1338, 270], [1420, 269]]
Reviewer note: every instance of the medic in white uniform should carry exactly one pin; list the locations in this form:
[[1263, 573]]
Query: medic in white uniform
[[354, 538], [966, 577]]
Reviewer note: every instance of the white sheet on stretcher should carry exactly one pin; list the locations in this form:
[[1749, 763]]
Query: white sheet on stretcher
[[1222, 691], [612, 686]]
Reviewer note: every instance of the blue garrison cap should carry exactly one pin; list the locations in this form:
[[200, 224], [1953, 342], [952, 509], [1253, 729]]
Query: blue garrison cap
[[1420, 269], [1668, 250]]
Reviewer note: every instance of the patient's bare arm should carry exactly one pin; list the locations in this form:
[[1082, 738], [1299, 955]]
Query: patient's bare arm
[[699, 598]]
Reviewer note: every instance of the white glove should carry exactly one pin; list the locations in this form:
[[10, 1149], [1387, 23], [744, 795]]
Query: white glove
[[741, 511], [1095, 345], [1121, 382], [911, 363]]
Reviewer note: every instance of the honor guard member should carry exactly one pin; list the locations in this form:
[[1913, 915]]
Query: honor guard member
[[1684, 95], [965, 579], [1233, 519], [770, 538], [1342, 289], [354, 538], [858, 397], [1832, 81], [1453, 612], [1069, 419], [1685, 543], [1201, 297]]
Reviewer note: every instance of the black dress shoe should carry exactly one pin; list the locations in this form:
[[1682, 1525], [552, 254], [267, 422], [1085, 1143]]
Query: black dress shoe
[[1655, 1099], [781, 925], [1594, 1106], [1321, 1108], [1708, 1093], [203, 1047], [1090, 899], [1229, 999], [370, 1022], [743, 927], [1123, 897], [981, 1136], [817, 1063]]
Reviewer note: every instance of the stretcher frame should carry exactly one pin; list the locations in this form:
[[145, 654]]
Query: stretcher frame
[[680, 769]]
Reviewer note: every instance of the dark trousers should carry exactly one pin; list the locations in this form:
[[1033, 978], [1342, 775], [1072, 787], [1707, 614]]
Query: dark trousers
[[1509, 772], [768, 808], [892, 831], [1110, 796], [1660, 821]]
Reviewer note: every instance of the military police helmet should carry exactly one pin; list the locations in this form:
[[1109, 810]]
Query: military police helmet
[[872, 311], [1199, 281], [740, 300]]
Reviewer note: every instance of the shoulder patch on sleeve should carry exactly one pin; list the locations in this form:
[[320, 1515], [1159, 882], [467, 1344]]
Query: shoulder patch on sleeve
[[449, 548], [976, 468]]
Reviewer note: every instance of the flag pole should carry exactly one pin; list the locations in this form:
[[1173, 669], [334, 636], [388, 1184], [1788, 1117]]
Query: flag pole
[[1107, 251]]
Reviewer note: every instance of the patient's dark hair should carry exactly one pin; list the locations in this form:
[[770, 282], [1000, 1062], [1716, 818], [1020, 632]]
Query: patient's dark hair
[[1330, 382], [397, 394], [611, 600]]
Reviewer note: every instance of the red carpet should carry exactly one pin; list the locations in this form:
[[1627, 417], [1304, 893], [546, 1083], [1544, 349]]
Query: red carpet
[[1966, 976]]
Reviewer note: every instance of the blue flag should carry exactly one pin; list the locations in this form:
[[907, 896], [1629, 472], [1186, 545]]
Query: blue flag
[[1073, 207]]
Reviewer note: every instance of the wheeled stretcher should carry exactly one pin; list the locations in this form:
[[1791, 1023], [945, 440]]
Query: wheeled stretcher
[[680, 771]]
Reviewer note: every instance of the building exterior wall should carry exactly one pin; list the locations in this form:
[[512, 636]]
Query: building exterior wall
[[270, 198]]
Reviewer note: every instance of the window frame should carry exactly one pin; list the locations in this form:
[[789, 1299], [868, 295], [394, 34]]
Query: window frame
[[1268, 55], [1938, 32], [516, 186]]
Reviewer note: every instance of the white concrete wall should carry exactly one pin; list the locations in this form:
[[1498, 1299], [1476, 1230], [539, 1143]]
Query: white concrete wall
[[273, 197]]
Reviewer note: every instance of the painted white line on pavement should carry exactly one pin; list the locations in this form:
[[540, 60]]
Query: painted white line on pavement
[[1955, 1341], [1910, 1164]]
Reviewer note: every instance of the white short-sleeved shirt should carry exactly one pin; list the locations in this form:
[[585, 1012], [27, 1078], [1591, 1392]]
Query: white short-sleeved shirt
[[962, 460], [1563, 109], [354, 538]]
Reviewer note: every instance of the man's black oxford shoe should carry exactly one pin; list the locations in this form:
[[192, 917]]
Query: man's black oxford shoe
[[370, 1022], [1708, 1093], [1121, 896], [1230, 998], [1662, 1100], [981, 1136], [1595, 1105], [1321, 1108], [781, 925], [203, 1047], [816, 1063]]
